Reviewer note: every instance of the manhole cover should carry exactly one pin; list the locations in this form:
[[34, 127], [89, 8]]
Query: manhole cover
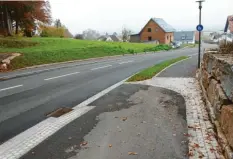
[[59, 112]]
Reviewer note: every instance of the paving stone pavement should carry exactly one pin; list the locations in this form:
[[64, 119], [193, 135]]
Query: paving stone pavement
[[201, 135]]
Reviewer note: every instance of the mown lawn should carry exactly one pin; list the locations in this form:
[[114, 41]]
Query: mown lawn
[[152, 71], [36, 51], [189, 45]]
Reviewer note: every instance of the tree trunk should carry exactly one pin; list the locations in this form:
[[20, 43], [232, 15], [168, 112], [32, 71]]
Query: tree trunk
[[16, 22], [16, 27], [6, 20]]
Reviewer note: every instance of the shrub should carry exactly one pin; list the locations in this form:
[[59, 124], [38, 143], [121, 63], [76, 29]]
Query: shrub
[[131, 51], [158, 47], [15, 43], [50, 31]]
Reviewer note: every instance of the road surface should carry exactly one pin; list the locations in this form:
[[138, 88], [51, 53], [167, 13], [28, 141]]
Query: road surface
[[25, 101]]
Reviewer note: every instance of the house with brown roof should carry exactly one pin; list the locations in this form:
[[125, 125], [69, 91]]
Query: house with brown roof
[[156, 30]]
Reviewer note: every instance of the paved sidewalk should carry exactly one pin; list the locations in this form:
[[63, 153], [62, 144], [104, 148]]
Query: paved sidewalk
[[186, 68], [145, 120], [201, 135]]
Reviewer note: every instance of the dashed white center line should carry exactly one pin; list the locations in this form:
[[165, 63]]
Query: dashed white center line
[[4, 89], [101, 67], [47, 79], [125, 62]]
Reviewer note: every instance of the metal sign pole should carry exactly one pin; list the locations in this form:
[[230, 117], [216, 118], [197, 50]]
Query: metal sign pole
[[199, 48]]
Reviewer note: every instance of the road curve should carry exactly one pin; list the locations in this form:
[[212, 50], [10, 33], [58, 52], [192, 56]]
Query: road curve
[[25, 101]]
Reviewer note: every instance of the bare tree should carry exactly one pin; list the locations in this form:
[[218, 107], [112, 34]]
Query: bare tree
[[90, 34], [57, 23], [126, 34]]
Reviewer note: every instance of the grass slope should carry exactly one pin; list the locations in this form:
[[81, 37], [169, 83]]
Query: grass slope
[[152, 71], [36, 51]]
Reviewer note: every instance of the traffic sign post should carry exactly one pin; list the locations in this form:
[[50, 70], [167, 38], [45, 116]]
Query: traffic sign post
[[199, 28]]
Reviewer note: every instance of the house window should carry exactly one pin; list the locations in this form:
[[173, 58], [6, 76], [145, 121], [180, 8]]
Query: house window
[[149, 38], [167, 37], [149, 29], [156, 29]]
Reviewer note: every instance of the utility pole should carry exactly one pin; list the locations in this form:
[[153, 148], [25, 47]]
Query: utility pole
[[199, 28]]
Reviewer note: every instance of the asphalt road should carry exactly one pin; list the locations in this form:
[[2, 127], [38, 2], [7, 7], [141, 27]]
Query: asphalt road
[[149, 121], [25, 101]]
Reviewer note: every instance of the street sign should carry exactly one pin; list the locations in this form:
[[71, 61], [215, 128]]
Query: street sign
[[200, 27]]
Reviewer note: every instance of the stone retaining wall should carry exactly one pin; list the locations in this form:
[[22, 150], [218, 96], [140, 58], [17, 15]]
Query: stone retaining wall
[[216, 79]]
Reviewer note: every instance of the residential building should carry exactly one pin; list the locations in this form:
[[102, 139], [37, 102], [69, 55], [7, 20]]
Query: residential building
[[109, 38], [229, 25], [156, 30], [228, 36], [184, 37]]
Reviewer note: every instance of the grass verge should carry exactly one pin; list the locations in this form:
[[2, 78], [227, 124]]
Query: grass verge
[[188, 45], [37, 51], [152, 71]]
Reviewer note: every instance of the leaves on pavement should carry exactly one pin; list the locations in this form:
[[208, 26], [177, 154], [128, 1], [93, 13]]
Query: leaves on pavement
[[124, 118], [84, 143], [132, 153]]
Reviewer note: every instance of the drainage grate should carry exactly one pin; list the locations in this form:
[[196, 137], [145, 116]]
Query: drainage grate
[[59, 112]]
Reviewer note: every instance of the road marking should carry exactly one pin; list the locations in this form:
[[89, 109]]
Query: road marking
[[101, 67], [47, 79], [21, 144], [10, 87], [13, 148], [100, 94], [193, 54], [125, 62], [170, 66]]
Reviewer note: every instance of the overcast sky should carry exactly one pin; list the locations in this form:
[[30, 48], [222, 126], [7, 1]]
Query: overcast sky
[[111, 15]]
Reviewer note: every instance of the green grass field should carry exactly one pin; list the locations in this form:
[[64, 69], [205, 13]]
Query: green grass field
[[152, 71], [189, 45], [36, 51]]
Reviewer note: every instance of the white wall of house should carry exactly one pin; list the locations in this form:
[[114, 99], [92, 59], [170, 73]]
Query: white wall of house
[[109, 39], [186, 41]]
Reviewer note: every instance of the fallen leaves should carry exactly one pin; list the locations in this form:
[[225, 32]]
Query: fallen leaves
[[124, 118], [212, 150], [190, 154], [84, 143], [194, 127], [132, 153], [187, 135], [195, 146]]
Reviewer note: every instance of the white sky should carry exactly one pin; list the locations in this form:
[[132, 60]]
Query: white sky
[[111, 15]]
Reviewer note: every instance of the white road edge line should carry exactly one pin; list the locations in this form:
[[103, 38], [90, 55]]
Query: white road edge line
[[171, 66], [21, 144], [193, 54], [101, 67], [47, 79], [4, 89], [125, 62]]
